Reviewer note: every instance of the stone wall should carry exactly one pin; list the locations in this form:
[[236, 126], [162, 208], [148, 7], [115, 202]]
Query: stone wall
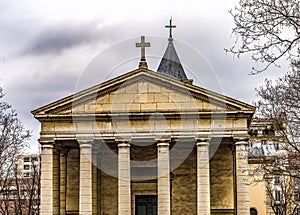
[[109, 195], [72, 200], [221, 179], [183, 183], [184, 187]]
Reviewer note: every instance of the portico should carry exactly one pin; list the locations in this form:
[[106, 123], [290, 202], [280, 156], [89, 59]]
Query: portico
[[145, 143], [89, 171]]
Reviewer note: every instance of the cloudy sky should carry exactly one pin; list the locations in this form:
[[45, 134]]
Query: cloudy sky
[[47, 46]]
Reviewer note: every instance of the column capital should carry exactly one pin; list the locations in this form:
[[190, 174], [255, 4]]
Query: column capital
[[85, 143], [202, 141], [240, 139], [164, 142], [123, 144], [47, 143], [165, 138], [44, 146]]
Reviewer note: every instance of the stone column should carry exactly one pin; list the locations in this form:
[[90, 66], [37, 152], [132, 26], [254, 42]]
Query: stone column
[[63, 181], [124, 188], [94, 179], [99, 181], [242, 185], [203, 183], [85, 178], [46, 207], [56, 181], [163, 180]]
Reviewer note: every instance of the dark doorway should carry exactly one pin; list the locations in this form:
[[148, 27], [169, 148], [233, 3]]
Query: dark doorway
[[253, 211], [145, 205]]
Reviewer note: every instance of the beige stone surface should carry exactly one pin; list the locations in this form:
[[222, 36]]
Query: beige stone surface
[[203, 179], [221, 178], [140, 104], [85, 178], [72, 194], [163, 181], [242, 178], [63, 181], [56, 182], [124, 184], [184, 187], [46, 207]]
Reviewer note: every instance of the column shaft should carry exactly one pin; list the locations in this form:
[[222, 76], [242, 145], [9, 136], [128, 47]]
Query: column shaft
[[99, 181], [46, 207], [163, 180], [85, 179], [242, 185], [124, 188], [95, 181], [56, 182], [203, 182], [63, 181]]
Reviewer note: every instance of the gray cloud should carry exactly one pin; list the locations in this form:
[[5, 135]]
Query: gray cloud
[[54, 39], [45, 73]]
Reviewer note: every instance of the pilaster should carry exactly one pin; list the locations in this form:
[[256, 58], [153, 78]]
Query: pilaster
[[124, 184], [46, 206], [85, 178], [56, 181], [203, 182], [95, 181], [163, 180], [63, 180], [242, 184]]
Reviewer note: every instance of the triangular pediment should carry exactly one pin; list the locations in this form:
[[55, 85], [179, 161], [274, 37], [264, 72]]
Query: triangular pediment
[[142, 91]]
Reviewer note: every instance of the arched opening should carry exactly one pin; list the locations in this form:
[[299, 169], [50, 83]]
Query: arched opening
[[253, 211]]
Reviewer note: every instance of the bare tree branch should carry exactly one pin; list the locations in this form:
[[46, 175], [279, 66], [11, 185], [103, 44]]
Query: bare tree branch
[[267, 29], [279, 101], [13, 140]]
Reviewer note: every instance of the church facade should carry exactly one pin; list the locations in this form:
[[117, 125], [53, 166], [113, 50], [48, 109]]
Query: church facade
[[145, 143]]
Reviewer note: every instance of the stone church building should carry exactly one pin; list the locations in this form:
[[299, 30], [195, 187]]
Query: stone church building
[[145, 143]]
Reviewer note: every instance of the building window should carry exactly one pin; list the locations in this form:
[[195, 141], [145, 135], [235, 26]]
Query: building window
[[26, 174], [277, 195], [26, 159], [277, 179], [26, 167], [253, 211], [276, 145], [250, 144], [34, 159]]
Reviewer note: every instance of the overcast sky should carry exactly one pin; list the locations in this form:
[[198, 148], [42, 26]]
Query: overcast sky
[[46, 46]]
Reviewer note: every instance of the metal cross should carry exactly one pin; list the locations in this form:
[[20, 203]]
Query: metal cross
[[142, 45], [170, 26]]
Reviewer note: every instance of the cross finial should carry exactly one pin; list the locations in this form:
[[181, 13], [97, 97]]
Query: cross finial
[[170, 26], [143, 45]]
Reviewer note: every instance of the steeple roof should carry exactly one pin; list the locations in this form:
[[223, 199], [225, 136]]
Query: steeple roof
[[170, 64]]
